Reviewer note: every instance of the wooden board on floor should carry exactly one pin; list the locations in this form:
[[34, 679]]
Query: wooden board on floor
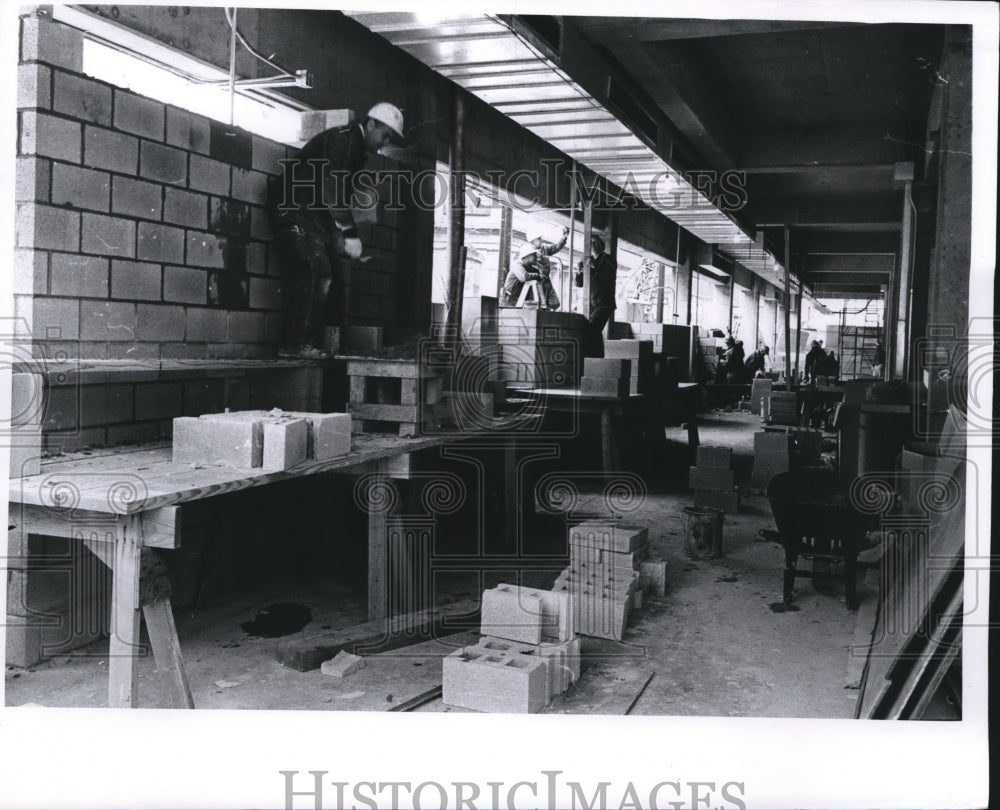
[[304, 654], [606, 687]]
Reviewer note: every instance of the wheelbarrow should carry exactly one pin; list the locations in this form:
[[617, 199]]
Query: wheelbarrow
[[816, 521]]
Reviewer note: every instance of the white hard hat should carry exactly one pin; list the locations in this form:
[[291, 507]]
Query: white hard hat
[[388, 114], [534, 232]]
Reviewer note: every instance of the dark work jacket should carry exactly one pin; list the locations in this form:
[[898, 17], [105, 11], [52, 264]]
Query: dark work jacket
[[603, 274], [344, 154]]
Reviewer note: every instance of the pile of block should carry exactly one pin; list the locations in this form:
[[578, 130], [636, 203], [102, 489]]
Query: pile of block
[[782, 449], [607, 575], [541, 348], [642, 369], [606, 377], [270, 440], [712, 480], [397, 396], [783, 408], [528, 653]]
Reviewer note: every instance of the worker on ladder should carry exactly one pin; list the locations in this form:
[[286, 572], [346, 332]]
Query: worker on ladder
[[533, 265]]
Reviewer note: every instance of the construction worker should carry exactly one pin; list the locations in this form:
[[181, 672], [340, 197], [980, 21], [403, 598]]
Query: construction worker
[[815, 359], [533, 265], [754, 366], [603, 276], [314, 227]]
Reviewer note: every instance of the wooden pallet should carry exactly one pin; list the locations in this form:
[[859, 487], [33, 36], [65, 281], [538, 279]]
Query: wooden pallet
[[393, 396]]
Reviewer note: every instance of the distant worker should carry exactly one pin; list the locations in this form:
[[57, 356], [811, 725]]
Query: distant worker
[[878, 363], [735, 363], [755, 364], [815, 359], [533, 264], [312, 235], [603, 278]]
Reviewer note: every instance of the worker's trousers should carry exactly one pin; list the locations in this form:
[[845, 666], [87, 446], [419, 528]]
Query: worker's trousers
[[313, 285]]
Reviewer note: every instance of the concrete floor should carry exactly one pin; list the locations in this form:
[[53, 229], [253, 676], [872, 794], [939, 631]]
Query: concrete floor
[[713, 643]]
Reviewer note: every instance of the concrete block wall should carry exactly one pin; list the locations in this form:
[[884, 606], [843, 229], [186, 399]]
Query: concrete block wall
[[141, 227]]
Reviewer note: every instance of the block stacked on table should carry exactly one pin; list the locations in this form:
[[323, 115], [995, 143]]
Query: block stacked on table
[[394, 395], [783, 408], [607, 574], [640, 353], [270, 440], [760, 389], [527, 655], [712, 480], [773, 453], [606, 377]]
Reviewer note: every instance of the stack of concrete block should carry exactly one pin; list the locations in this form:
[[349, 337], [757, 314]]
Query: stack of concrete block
[[527, 655], [606, 377], [760, 389], [607, 575], [24, 436], [712, 480], [642, 370], [271, 440], [783, 408], [774, 452]]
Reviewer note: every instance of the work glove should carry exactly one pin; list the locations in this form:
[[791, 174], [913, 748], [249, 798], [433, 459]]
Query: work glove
[[353, 248]]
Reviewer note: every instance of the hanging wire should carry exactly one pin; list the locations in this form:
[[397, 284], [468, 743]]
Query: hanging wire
[[231, 18]]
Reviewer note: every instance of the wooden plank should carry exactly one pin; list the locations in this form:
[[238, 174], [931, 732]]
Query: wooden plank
[[377, 549], [167, 650], [124, 643], [381, 367], [419, 700], [383, 413], [606, 687], [161, 527], [168, 483], [305, 654]]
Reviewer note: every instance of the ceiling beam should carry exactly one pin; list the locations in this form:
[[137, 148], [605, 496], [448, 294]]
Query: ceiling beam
[[875, 263], [817, 241], [644, 29], [824, 280], [880, 212], [821, 147]]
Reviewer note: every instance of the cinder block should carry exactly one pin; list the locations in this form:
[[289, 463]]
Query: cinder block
[[719, 458], [512, 615], [43, 40], [557, 622], [135, 281], [728, 502], [25, 442], [185, 285], [24, 641], [494, 683], [637, 600], [562, 659], [233, 442], [136, 198], [47, 228], [49, 136], [607, 367], [772, 442], [342, 665], [284, 443], [163, 163], [361, 338], [612, 536], [604, 386], [759, 389], [80, 188], [107, 149], [209, 175], [711, 478], [185, 208], [27, 399], [34, 86], [81, 98], [107, 236], [160, 243]]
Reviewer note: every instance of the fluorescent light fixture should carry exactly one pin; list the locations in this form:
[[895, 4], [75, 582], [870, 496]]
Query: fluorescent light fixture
[[714, 272]]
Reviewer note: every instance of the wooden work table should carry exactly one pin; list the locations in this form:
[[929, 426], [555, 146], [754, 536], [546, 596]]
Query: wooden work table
[[118, 501], [645, 409]]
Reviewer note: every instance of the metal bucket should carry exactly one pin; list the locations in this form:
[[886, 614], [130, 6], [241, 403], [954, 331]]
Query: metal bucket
[[704, 532]]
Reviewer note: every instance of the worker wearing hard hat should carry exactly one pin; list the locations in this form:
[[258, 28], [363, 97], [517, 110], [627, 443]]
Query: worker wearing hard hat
[[314, 227], [533, 264]]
